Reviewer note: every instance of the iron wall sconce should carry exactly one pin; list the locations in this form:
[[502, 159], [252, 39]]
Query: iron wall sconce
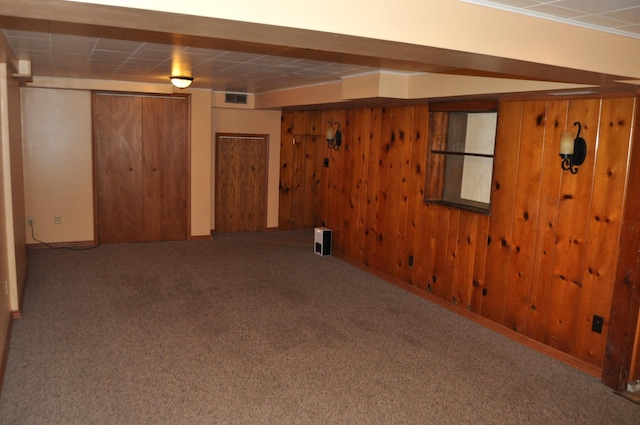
[[573, 151], [334, 138]]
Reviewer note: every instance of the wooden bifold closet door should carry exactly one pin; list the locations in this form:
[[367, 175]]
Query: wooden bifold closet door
[[141, 146]]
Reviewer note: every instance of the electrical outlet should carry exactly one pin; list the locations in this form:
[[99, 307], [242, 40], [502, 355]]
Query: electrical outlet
[[30, 221], [597, 324], [57, 219]]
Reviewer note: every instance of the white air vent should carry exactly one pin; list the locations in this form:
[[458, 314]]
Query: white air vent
[[235, 98]]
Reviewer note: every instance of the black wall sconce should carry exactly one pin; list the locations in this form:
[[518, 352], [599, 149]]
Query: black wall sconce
[[573, 151], [334, 138]]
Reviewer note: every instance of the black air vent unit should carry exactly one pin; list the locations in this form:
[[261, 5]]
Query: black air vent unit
[[235, 98]]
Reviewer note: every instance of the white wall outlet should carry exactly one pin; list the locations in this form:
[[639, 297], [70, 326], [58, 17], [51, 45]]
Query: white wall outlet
[[57, 219], [30, 221]]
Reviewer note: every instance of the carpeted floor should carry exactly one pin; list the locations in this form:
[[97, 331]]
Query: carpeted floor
[[257, 329]]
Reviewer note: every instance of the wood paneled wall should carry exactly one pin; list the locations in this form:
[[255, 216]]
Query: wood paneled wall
[[542, 264], [301, 149]]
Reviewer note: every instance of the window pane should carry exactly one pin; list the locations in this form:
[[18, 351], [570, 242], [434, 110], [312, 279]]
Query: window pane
[[476, 172], [476, 179], [481, 132]]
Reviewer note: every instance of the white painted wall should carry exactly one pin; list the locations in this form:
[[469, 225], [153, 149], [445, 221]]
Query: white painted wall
[[57, 152], [251, 122]]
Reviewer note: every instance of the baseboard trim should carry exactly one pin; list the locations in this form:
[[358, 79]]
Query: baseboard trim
[[200, 238], [72, 245], [5, 352], [496, 327]]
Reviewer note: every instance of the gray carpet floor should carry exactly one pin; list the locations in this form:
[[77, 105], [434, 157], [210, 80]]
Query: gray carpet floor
[[257, 329]]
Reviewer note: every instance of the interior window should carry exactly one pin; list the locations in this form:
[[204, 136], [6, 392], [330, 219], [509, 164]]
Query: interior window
[[461, 158]]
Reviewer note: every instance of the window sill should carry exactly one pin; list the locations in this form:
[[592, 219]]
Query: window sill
[[472, 206]]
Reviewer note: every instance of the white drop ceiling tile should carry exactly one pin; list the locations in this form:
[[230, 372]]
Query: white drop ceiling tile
[[101, 70], [117, 45], [210, 68], [30, 44], [239, 57], [293, 65], [635, 29], [600, 21], [68, 65], [597, 6], [154, 55], [272, 60], [160, 47], [313, 72], [308, 63], [556, 11], [137, 68], [631, 15], [212, 53], [264, 74], [108, 57], [72, 43], [25, 34], [337, 68], [198, 61], [518, 3]]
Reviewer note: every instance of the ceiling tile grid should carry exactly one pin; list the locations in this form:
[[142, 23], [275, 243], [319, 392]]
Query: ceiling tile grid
[[616, 16], [82, 56], [74, 56]]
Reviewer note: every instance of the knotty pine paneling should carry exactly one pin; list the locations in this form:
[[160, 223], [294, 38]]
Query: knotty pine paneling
[[413, 191], [286, 174], [313, 143], [542, 264], [525, 214], [437, 256], [545, 241], [335, 182], [571, 233], [384, 189], [604, 225], [355, 144], [499, 242], [480, 264], [396, 149], [298, 173], [622, 362], [464, 261], [372, 209], [299, 187]]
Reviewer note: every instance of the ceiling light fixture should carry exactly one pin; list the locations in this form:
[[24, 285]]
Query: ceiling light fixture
[[181, 82]]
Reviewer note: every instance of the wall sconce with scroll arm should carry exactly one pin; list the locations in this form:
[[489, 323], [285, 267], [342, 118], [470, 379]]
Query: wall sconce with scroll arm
[[334, 139], [573, 151]]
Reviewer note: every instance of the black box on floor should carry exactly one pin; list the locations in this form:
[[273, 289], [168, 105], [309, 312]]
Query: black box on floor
[[322, 241]]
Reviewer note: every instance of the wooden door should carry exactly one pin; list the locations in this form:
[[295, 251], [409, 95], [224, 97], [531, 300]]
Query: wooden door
[[141, 151], [241, 183], [165, 168], [118, 168]]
